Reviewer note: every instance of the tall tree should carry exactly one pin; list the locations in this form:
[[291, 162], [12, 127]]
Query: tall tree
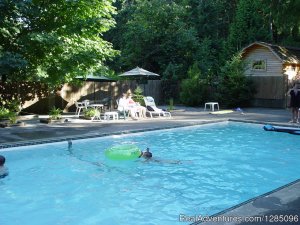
[[53, 41], [250, 24], [156, 37], [284, 21]]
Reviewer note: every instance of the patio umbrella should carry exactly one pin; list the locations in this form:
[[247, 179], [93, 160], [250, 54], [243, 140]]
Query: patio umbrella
[[95, 79], [141, 75]]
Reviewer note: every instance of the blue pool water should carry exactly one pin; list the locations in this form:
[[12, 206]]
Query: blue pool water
[[220, 166]]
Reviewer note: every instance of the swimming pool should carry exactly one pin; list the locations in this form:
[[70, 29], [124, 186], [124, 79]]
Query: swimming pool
[[199, 170]]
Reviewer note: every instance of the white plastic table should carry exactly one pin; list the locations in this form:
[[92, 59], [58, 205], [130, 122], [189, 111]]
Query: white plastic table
[[113, 115], [211, 106], [96, 106]]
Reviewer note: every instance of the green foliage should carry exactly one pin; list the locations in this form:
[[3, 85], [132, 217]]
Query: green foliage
[[91, 112], [171, 104], [14, 106], [249, 25], [55, 113], [4, 113], [235, 89], [55, 41], [168, 37], [194, 89], [155, 36], [9, 110], [138, 91], [12, 116], [58, 40], [138, 95], [284, 21]]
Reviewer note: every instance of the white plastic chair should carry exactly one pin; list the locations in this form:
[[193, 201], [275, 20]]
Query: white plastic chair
[[153, 110], [80, 105], [122, 109]]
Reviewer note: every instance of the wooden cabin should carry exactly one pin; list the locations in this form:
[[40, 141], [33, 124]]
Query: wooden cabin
[[273, 68]]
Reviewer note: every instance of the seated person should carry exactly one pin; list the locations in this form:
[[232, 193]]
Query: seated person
[[3, 169], [125, 106], [141, 110], [146, 154]]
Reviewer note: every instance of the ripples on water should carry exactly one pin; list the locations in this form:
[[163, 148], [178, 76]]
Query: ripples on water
[[220, 165]]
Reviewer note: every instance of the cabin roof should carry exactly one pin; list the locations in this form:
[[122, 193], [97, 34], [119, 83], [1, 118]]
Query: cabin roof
[[283, 53]]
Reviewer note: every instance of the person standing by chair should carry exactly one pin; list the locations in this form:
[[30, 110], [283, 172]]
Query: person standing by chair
[[295, 101]]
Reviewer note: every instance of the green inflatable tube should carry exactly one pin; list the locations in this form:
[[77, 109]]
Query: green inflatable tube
[[123, 152]]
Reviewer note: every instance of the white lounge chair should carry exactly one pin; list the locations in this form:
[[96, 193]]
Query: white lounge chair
[[153, 110]]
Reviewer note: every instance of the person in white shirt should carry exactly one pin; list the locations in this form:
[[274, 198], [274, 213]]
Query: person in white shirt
[[125, 106], [3, 169]]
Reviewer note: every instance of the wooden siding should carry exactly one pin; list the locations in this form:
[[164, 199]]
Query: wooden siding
[[273, 63]]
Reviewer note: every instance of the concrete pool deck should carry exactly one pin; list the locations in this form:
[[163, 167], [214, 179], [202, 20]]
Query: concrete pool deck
[[284, 201]]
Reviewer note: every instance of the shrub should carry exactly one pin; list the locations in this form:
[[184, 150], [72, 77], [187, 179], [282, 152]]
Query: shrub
[[171, 104], [194, 89], [235, 89], [10, 110], [91, 112], [4, 113], [12, 116], [55, 113], [138, 96]]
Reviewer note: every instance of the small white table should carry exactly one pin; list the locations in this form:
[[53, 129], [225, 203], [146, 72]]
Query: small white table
[[96, 106], [99, 107], [211, 106], [113, 115]]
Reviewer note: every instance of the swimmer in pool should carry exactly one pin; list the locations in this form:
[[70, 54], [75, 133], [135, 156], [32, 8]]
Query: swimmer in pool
[[3, 169], [146, 154]]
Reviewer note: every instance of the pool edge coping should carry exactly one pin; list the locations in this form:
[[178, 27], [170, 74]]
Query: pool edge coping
[[249, 201], [80, 137]]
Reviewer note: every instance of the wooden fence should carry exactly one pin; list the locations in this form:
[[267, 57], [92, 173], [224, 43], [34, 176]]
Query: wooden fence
[[270, 91], [39, 98]]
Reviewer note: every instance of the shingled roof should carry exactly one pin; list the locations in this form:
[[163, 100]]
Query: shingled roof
[[286, 54]]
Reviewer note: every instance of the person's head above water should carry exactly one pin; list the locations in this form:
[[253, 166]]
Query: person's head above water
[[2, 160], [146, 154]]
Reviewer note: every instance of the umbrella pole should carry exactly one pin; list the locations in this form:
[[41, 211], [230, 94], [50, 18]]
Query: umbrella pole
[[94, 93]]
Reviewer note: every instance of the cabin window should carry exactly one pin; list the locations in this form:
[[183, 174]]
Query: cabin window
[[259, 65]]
